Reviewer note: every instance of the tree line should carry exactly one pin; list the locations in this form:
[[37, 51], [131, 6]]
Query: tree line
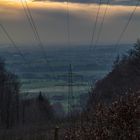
[[123, 79], [13, 109]]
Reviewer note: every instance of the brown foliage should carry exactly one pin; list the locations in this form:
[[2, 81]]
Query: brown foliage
[[120, 121]]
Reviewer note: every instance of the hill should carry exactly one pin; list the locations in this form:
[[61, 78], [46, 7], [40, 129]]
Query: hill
[[122, 80]]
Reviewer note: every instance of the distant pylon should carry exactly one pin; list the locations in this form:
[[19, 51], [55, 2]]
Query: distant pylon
[[70, 92]]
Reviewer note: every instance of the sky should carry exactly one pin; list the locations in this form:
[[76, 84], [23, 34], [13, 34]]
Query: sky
[[52, 22]]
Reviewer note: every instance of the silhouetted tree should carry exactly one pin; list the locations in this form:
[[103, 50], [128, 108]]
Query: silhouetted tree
[[9, 97], [45, 107]]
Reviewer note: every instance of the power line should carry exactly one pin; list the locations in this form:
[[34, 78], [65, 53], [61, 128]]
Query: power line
[[95, 24], [34, 28], [127, 24], [13, 43], [71, 99], [36, 33], [102, 23], [28, 18], [68, 23], [70, 90], [70, 74]]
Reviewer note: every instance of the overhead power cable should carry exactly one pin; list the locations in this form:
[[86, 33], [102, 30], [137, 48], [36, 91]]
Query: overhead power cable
[[36, 33], [95, 24], [13, 43], [127, 24], [29, 19], [102, 23], [34, 28], [68, 24]]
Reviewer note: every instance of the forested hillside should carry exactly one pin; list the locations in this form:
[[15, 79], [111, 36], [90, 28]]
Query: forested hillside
[[113, 106], [9, 97], [123, 79]]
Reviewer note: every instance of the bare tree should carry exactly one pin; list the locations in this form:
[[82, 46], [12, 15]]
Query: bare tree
[[9, 97]]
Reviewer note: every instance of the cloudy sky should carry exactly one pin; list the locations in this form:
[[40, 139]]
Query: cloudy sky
[[51, 20]]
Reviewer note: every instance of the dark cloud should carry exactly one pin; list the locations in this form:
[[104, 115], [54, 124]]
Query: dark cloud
[[73, 1], [114, 2]]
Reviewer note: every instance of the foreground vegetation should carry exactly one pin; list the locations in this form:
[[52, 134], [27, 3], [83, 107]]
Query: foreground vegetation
[[112, 111], [120, 121]]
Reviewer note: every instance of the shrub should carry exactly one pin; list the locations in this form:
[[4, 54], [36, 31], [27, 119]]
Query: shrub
[[120, 121]]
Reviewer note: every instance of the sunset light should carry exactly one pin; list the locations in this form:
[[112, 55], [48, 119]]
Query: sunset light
[[69, 69]]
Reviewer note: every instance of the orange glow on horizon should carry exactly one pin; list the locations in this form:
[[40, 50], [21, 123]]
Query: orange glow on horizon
[[73, 7], [50, 18]]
